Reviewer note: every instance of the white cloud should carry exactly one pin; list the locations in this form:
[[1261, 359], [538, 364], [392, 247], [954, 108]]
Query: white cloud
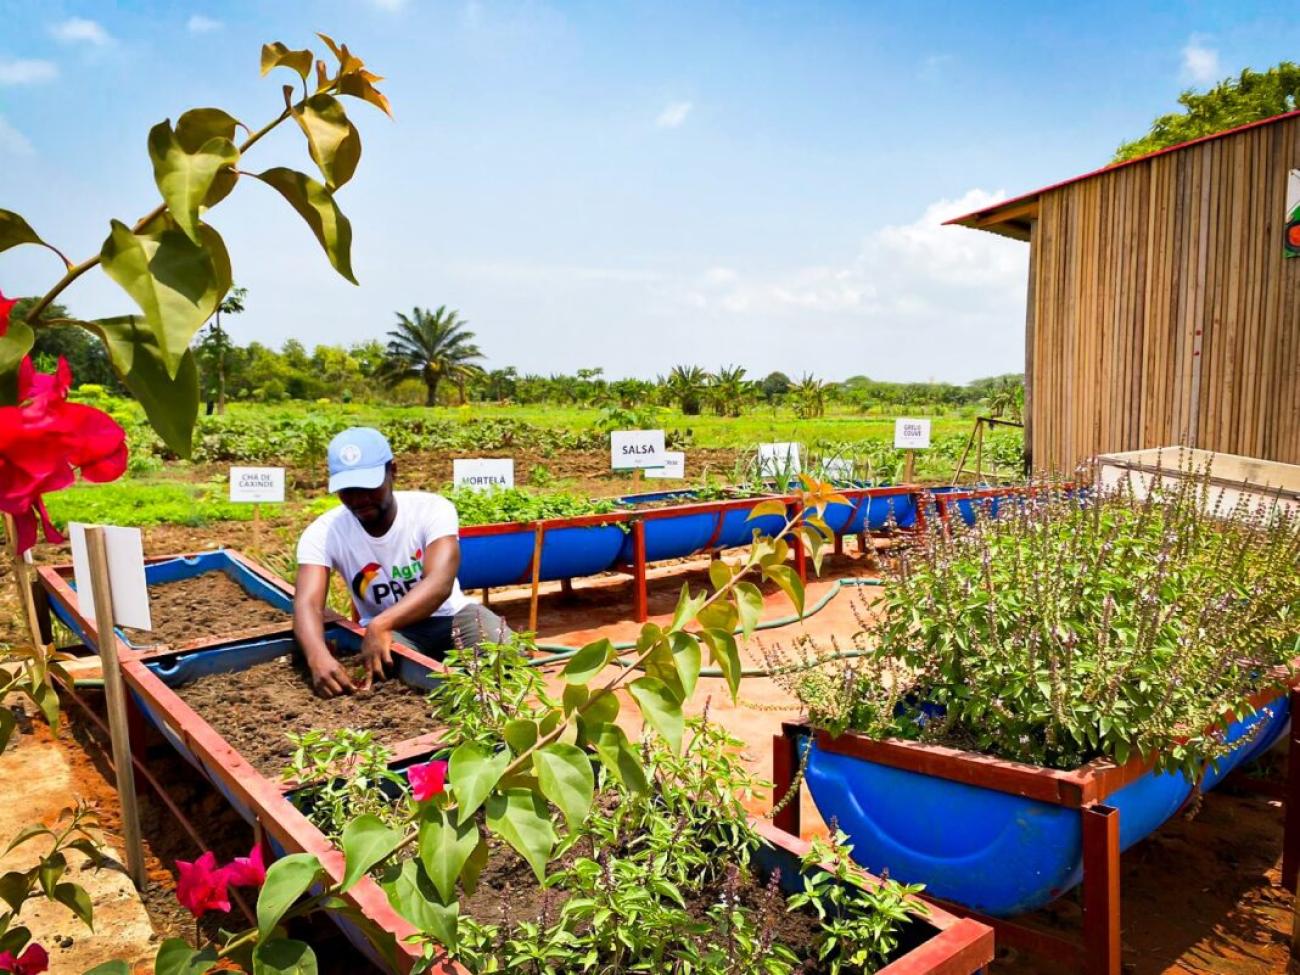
[[27, 72], [77, 30], [918, 270], [198, 24], [673, 115], [1200, 62], [13, 142]]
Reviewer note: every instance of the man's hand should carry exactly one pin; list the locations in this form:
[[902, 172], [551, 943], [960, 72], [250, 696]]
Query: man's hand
[[377, 649], [329, 678]]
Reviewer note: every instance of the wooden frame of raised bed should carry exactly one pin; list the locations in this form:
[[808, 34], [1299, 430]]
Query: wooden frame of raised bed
[[960, 946], [1084, 789]]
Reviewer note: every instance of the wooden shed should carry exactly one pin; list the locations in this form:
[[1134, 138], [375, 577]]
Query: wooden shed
[[1164, 301]]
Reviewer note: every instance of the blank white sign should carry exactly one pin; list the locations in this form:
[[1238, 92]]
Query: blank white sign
[[778, 459], [125, 575]]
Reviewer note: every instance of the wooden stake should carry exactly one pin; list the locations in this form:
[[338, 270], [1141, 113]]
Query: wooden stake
[[909, 465], [537, 576], [257, 529], [23, 580], [979, 451], [115, 698]]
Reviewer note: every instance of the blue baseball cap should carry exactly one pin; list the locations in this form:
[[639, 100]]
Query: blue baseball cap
[[357, 458]]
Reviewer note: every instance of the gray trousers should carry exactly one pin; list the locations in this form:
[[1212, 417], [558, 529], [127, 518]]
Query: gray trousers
[[472, 625]]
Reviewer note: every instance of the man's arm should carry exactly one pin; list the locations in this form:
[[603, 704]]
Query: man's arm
[[328, 676], [441, 563]]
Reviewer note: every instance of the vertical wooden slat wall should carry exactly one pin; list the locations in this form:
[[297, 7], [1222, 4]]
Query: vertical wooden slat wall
[[1163, 309]]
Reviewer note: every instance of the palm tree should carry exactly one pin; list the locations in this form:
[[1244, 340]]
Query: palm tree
[[730, 391], [686, 385], [809, 396], [432, 346], [215, 346]]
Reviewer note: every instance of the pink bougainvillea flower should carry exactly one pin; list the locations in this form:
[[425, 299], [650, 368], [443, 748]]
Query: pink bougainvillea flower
[[202, 886], [33, 961], [249, 871], [6, 306], [427, 780], [43, 440]]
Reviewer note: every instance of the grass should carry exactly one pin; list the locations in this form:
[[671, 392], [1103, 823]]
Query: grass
[[145, 502]]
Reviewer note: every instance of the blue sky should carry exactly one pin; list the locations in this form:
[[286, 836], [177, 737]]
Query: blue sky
[[625, 185]]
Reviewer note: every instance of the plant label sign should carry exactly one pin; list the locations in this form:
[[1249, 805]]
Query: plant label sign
[[631, 449], [125, 574], [257, 484], [483, 473], [911, 434], [837, 469], [778, 459], [674, 466]]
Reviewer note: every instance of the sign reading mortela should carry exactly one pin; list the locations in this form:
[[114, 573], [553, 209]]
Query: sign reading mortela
[[125, 575], [911, 434], [630, 449], [483, 473], [674, 466], [257, 484], [779, 460]]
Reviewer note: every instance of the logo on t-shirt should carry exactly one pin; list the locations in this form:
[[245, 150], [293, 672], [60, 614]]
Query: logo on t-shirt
[[401, 579]]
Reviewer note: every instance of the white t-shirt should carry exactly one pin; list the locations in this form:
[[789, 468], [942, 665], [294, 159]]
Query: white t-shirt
[[381, 570]]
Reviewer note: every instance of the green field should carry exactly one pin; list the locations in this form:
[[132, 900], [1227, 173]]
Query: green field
[[162, 489]]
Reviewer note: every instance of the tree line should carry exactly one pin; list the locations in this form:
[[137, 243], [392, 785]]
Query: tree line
[[431, 357]]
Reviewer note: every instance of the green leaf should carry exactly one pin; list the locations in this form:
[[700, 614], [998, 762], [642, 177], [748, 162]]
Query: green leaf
[[765, 508], [185, 177], [177, 283], [574, 697], [589, 661], [7, 725], [521, 819], [719, 573], [788, 579], [282, 956], [520, 734], [332, 140], [565, 776], [473, 868], [660, 708], [27, 832], [366, 841], [196, 127], [110, 968], [13, 889], [47, 699], [602, 707], [413, 896], [15, 938], [687, 607], [686, 656], [14, 345], [176, 957], [286, 880], [277, 54], [749, 604], [474, 772], [316, 205], [726, 655], [14, 230], [620, 758], [75, 899], [720, 615], [49, 870], [170, 403], [445, 846]]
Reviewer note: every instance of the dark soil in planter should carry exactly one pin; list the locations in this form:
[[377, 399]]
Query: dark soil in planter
[[256, 709], [508, 894], [211, 604]]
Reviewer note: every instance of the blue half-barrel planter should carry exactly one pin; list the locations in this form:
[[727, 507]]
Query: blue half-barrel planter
[[994, 836]]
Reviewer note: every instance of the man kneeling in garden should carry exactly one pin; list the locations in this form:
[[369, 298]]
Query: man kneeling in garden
[[399, 552]]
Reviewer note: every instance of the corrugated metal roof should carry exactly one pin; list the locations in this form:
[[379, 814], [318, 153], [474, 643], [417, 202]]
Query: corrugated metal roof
[[983, 216]]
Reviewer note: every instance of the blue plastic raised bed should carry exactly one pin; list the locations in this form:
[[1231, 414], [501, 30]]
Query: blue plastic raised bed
[[63, 597], [997, 837], [870, 512], [502, 555]]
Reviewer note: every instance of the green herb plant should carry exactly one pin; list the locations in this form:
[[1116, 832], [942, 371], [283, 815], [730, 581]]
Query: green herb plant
[[1075, 626], [344, 774]]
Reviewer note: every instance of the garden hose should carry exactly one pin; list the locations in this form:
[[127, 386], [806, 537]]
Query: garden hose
[[558, 652]]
